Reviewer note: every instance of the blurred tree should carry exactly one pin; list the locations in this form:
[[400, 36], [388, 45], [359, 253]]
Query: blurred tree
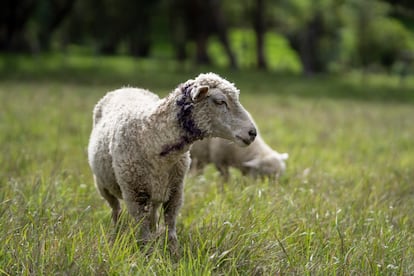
[[198, 20], [179, 36], [312, 28], [259, 26], [256, 15], [49, 16], [407, 4], [28, 25], [138, 25], [380, 39], [109, 23], [14, 16], [322, 32]]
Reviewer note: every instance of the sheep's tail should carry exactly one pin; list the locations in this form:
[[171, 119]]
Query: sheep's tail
[[97, 114], [98, 110]]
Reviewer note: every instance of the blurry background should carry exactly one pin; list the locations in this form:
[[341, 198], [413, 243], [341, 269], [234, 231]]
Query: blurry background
[[331, 82], [290, 36]]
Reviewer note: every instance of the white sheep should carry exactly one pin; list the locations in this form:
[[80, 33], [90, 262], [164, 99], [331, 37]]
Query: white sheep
[[258, 159], [138, 148]]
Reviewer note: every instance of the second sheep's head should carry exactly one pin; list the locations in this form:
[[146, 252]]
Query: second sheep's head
[[218, 111], [272, 164]]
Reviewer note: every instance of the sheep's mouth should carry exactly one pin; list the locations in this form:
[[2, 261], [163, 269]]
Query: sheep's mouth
[[245, 141]]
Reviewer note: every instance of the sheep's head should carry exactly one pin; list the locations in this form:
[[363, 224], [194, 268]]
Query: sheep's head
[[272, 165], [216, 109]]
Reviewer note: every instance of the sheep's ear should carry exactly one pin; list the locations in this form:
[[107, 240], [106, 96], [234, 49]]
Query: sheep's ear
[[254, 163], [199, 93]]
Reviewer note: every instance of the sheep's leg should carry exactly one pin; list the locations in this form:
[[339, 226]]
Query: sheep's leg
[[112, 200], [224, 171], [196, 167], [114, 203], [154, 216], [170, 216], [139, 207], [171, 209]]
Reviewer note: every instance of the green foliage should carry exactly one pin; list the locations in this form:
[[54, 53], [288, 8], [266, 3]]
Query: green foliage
[[378, 39], [318, 35], [392, 39], [343, 207], [280, 56], [352, 33], [298, 12]]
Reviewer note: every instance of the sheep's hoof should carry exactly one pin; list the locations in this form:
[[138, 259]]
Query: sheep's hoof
[[146, 246], [173, 247], [115, 216], [174, 251]]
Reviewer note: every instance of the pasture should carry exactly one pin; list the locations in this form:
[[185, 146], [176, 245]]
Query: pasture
[[344, 206]]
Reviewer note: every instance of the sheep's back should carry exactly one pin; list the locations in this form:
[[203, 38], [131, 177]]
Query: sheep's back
[[130, 101], [227, 153], [115, 109]]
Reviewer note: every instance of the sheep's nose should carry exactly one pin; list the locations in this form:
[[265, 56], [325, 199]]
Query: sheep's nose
[[252, 133]]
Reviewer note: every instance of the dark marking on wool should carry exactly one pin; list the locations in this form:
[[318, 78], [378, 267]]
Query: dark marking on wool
[[184, 140], [185, 119], [142, 198]]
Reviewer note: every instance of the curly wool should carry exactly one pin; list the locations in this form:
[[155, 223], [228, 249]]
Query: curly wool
[[138, 149], [184, 117]]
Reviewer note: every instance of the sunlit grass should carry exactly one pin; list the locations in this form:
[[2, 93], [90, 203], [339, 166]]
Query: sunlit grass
[[343, 207]]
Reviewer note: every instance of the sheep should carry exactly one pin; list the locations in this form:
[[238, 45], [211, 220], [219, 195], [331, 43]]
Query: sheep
[[139, 145], [258, 159]]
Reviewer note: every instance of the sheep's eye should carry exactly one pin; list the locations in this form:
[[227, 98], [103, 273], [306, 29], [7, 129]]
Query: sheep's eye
[[220, 102]]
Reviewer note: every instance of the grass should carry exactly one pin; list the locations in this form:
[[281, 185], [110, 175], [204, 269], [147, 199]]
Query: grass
[[343, 207]]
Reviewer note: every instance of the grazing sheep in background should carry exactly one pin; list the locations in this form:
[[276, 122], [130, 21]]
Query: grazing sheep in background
[[258, 159], [138, 149]]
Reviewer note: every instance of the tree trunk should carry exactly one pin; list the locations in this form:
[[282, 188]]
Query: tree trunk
[[260, 31], [306, 44], [57, 13], [179, 30], [139, 37], [220, 27], [13, 19], [201, 49]]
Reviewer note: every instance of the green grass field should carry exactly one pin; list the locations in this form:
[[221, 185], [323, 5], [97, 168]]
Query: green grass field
[[345, 205]]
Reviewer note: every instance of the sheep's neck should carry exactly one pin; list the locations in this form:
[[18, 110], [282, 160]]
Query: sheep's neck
[[187, 131]]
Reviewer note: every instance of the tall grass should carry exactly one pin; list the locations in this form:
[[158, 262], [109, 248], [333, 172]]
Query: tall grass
[[343, 207]]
